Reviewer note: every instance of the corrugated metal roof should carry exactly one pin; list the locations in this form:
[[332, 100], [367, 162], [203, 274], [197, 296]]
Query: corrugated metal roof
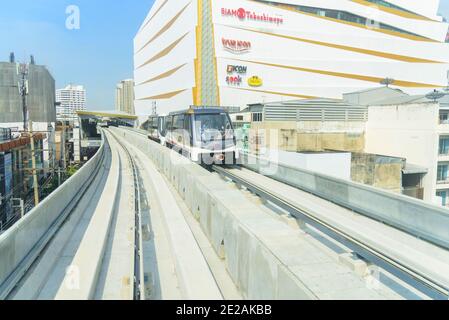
[[314, 110], [414, 169]]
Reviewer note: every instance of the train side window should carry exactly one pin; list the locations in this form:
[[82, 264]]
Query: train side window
[[178, 122], [168, 125], [187, 122]]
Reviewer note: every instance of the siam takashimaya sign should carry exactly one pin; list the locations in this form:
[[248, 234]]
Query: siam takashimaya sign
[[243, 14], [236, 46]]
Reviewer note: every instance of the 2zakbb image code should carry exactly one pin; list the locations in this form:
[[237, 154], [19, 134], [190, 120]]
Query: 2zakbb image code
[[226, 310]]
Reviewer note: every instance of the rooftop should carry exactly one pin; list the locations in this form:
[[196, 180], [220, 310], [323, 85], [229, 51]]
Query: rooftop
[[107, 114]]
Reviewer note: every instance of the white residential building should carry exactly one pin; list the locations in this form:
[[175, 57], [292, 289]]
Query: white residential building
[[417, 129], [72, 98], [239, 52], [124, 96]]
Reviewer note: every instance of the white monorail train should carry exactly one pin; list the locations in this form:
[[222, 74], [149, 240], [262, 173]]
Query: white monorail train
[[204, 135]]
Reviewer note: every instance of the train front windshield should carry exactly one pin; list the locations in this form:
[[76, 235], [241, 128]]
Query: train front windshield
[[212, 127]]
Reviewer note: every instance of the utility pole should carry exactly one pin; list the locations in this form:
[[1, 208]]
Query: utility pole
[[63, 146], [22, 71], [33, 164]]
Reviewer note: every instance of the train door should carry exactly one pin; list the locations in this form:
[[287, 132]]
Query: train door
[[161, 129], [178, 129], [187, 134], [168, 131]]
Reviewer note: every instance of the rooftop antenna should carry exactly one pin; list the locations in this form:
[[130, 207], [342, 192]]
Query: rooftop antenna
[[435, 95], [12, 57], [387, 82]]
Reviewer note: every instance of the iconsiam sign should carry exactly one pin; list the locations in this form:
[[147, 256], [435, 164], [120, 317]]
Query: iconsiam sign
[[243, 14]]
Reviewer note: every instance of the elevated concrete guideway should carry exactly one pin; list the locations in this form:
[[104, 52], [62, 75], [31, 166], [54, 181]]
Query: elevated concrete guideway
[[184, 232], [91, 254]]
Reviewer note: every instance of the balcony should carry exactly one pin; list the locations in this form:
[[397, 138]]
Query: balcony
[[444, 123], [443, 128], [443, 184], [443, 157]]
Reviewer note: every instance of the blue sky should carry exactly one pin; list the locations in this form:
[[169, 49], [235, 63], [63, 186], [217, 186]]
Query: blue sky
[[98, 55]]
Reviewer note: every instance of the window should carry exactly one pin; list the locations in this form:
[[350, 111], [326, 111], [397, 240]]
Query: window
[[239, 118], [443, 195], [444, 118], [444, 146], [178, 122], [442, 173], [187, 123], [169, 123], [257, 117], [345, 16], [208, 126], [389, 5]]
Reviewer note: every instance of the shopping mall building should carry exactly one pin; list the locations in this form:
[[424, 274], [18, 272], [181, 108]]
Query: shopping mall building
[[236, 52]]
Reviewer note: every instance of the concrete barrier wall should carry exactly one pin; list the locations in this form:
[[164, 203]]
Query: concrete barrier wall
[[19, 241], [255, 246], [414, 216]]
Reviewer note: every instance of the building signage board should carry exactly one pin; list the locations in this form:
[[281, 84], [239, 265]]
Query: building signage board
[[243, 15], [237, 69], [236, 46], [234, 80]]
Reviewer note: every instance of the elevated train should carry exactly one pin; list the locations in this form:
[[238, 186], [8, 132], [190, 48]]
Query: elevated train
[[204, 135]]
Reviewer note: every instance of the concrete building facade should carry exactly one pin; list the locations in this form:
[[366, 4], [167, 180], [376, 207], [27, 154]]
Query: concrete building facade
[[124, 96], [308, 126], [239, 52], [40, 101], [72, 98], [381, 157], [419, 132]]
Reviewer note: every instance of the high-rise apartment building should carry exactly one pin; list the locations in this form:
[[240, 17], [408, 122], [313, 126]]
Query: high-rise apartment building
[[72, 98], [124, 96], [239, 52]]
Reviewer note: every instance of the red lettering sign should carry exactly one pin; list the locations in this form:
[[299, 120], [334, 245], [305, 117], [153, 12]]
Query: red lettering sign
[[243, 14], [236, 46]]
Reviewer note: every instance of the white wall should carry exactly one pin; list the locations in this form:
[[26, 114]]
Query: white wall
[[336, 165], [407, 131], [183, 54], [270, 44]]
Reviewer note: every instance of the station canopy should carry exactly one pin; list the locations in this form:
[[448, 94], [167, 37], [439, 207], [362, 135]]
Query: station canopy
[[106, 114]]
